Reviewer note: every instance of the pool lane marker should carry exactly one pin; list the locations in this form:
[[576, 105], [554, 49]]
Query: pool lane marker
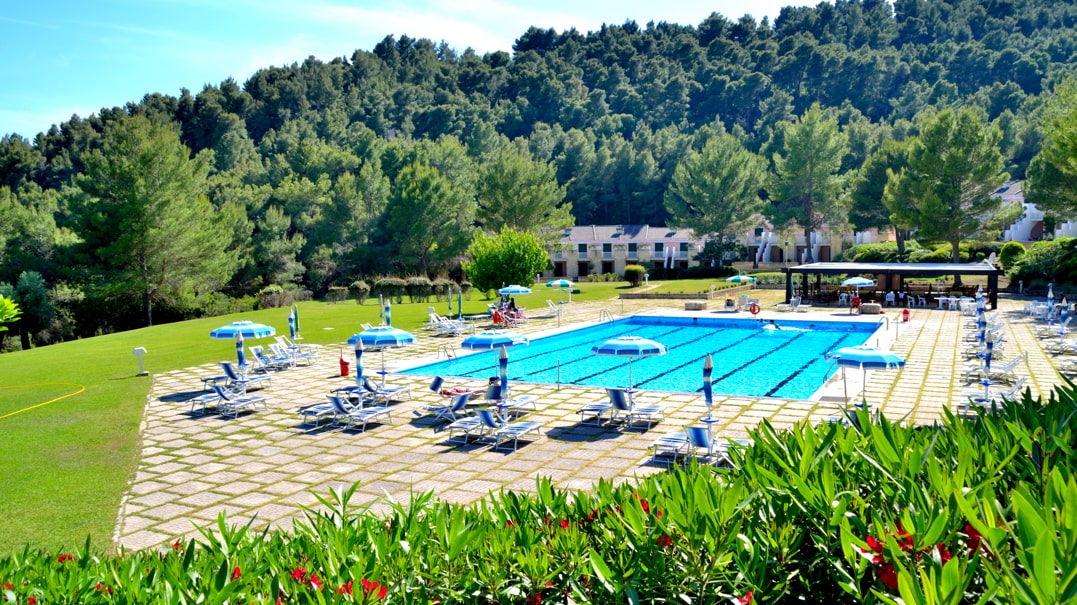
[[807, 365], [751, 361], [81, 388]]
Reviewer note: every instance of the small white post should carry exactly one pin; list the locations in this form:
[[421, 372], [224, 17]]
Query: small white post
[[139, 352]]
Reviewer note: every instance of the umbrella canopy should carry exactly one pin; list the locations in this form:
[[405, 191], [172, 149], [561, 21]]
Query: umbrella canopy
[[248, 329], [295, 311], [514, 289], [708, 390], [359, 362], [291, 324], [630, 347], [382, 337], [858, 282], [563, 285], [741, 279], [866, 358], [493, 339]]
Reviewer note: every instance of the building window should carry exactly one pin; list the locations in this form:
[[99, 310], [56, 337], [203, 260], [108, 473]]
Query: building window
[[581, 249], [684, 249], [607, 250], [659, 248], [631, 250]]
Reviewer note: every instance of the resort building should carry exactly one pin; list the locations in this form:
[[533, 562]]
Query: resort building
[[591, 249]]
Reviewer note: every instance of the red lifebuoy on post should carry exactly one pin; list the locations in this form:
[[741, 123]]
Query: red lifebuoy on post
[[753, 309]]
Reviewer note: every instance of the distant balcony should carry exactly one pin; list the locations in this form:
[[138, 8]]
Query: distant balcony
[[607, 254]]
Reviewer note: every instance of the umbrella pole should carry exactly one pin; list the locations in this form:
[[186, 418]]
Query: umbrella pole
[[845, 381], [864, 386], [383, 368], [630, 382]]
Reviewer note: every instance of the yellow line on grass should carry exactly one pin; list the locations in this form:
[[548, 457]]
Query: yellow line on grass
[[81, 388]]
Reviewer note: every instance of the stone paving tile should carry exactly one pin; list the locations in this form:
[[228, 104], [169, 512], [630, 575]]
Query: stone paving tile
[[264, 464]]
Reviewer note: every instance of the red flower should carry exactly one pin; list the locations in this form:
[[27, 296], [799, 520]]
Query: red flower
[[663, 541], [65, 558], [643, 503], [888, 576], [974, 537], [299, 575], [371, 587], [177, 546], [746, 599], [944, 555], [31, 600], [235, 573], [316, 582], [509, 523], [535, 599], [7, 586], [564, 524], [346, 588], [103, 588]]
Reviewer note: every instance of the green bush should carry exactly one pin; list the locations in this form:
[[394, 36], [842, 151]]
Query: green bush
[[274, 297], [466, 288], [393, 288], [336, 294], [443, 287], [937, 254], [1010, 253], [969, 510], [1046, 261], [359, 290], [419, 289], [634, 275]]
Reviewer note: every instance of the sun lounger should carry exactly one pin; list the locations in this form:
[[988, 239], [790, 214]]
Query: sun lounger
[[231, 404]]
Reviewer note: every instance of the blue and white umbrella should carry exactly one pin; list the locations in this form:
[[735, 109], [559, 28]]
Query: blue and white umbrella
[[295, 312], [513, 290], [563, 285], [866, 358], [248, 329], [741, 279], [503, 362], [630, 347], [858, 282], [493, 339], [388, 311], [381, 338], [291, 324], [708, 389], [241, 357], [359, 362]]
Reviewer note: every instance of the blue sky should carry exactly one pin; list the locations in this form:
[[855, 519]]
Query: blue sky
[[64, 57]]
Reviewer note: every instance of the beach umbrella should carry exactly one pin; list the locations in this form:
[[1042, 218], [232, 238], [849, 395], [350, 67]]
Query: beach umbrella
[[298, 332], [503, 363], [563, 285], [513, 290], [248, 329], [987, 356], [388, 311], [741, 279], [240, 330], [632, 347], [359, 362], [381, 338], [493, 339], [708, 394], [291, 324], [858, 282], [241, 357], [866, 358]]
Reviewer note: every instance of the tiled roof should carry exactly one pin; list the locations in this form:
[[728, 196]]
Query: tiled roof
[[625, 233]]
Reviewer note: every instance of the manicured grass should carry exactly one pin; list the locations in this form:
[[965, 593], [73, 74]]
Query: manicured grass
[[65, 465]]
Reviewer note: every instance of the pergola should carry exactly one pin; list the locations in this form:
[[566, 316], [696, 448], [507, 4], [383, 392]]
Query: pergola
[[891, 276]]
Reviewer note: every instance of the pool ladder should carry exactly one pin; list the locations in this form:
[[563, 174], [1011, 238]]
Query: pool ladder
[[448, 350], [605, 315]]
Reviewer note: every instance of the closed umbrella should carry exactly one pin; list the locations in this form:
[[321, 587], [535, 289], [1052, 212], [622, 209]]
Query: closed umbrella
[[493, 339], [708, 394], [388, 311], [291, 324], [631, 347], [298, 332], [359, 362], [866, 358], [503, 363], [563, 285], [381, 338], [241, 357]]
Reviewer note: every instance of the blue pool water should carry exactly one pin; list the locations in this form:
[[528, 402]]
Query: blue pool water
[[748, 360]]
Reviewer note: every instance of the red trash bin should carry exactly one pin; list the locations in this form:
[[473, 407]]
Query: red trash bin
[[344, 367]]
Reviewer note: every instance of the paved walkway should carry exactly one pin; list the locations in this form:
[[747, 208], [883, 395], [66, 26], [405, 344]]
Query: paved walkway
[[264, 465]]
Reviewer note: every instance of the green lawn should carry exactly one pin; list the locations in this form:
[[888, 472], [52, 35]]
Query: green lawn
[[65, 465]]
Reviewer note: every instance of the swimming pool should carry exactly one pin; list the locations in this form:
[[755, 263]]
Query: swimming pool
[[748, 360]]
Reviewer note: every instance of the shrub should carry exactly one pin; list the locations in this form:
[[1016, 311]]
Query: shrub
[[359, 290], [1045, 260], [466, 288], [273, 297], [443, 287], [936, 254], [1010, 253], [634, 275], [419, 289], [393, 288], [336, 294]]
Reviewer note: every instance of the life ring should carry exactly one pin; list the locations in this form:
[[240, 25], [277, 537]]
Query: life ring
[[753, 309]]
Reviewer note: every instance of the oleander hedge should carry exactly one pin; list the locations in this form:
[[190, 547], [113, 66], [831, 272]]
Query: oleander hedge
[[971, 510]]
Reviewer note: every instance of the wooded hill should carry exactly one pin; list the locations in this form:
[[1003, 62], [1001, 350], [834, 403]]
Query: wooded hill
[[302, 164]]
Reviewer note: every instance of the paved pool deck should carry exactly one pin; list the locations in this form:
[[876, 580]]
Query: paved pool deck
[[264, 466]]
